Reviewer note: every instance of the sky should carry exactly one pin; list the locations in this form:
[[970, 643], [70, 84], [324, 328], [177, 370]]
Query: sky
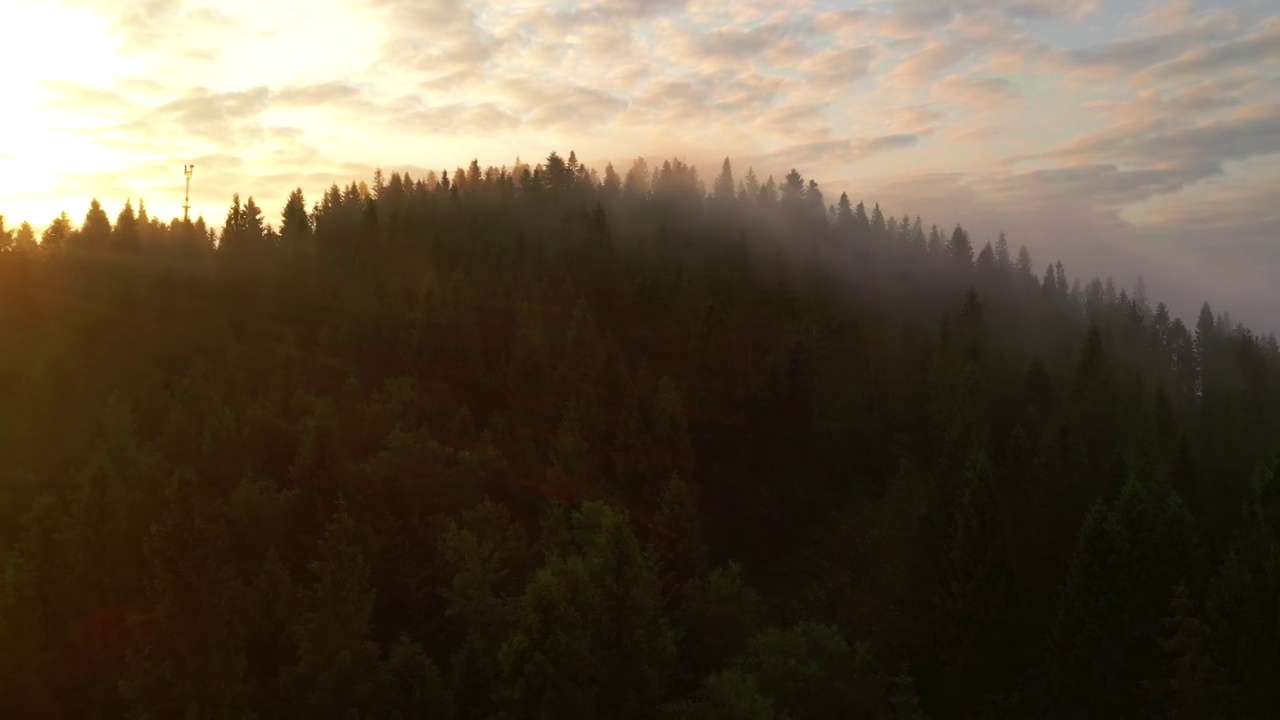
[[1122, 137]]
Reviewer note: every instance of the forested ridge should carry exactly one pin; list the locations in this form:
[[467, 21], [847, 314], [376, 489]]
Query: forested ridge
[[538, 442]]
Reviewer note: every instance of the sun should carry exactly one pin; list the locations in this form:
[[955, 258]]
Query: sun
[[46, 43]]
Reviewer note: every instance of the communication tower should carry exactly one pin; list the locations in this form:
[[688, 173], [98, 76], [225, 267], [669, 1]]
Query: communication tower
[[186, 199]]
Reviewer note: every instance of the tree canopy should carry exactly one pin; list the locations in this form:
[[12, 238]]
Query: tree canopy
[[544, 442]]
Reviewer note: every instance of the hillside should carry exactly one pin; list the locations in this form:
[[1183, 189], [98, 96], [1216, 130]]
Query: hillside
[[548, 442]]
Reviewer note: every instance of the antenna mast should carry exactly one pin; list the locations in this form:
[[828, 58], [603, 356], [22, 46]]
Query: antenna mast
[[186, 200]]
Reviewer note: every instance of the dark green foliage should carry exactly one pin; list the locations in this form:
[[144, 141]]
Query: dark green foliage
[[1105, 638], [1242, 599], [1192, 684], [532, 442], [589, 638], [813, 672], [729, 695]]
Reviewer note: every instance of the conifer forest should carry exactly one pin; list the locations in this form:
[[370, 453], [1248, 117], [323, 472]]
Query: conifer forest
[[551, 442]]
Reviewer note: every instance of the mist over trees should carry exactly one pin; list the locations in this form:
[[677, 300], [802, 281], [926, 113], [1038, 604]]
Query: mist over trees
[[547, 441]]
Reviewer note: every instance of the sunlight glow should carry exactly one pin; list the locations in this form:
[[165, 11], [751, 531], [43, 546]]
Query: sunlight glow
[[36, 147]]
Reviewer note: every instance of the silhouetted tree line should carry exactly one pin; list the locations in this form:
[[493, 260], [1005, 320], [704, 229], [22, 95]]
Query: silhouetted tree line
[[543, 442]]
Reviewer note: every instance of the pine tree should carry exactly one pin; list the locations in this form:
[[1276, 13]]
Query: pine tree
[[1024, 266], [919, 243], [612, 188], [810, 670], [986, 263], [861, 224], [636, 185], [959, 249], [718, 614], [125, 234], [727, 695], [338, 665], [769, 193], [58, 235], [935, 247], [410, 686], [1205, 342], [904, 698], [1242, 606], [1049, 286], [878, 228], [1003, 260], [233, 227], [95, 233], [724, 188], [792, 193], [1129, 558], [844, 216], [751, 184], [1140, 297], [25, 239], [1192, 684], [590, 639], [977, 593], [253, 230], [815, 202], [295, 225], [677, 533]]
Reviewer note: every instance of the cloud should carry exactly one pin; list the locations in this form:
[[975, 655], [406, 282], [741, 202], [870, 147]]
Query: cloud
[[1127, 55], [1202, 100], [748, 94], [794, 118], [972, 133], [911, 119], [844, 23], [638, 8], [1018, 9], [1250, 132], [1258, 49], [318, 94], [922, 65], [735, 42], [825, 152], [977, 93], [841, 67], [562, 106], [220, 117], [71, 96], [440, 38], [907, 22], [147, 27], [1105, 172], [677, 99]]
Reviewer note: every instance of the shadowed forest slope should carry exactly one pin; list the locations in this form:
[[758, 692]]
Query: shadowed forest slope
[[547, 443]]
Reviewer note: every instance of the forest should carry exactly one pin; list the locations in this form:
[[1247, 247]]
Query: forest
[[544, 442]]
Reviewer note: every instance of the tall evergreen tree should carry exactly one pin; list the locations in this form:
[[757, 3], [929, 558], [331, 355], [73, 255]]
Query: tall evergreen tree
[[58, 235], [1004, 260], [724, 188], [95, 233], [1025, 269], [844, 216], [959, 248]]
